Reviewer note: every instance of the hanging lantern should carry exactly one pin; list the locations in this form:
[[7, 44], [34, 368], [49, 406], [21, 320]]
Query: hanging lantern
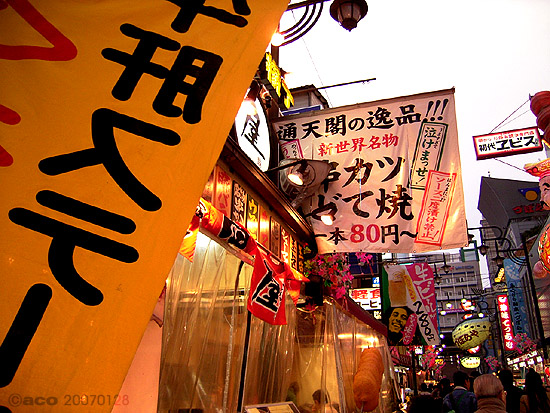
[[348, 12], [470, 362], [471, 333]]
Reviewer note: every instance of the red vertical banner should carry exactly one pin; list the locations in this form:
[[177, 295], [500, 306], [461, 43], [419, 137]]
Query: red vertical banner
[[252, 217], [222, 193], [264, 228], [506, 323], [275, 237], [238, 204], [285, 245]]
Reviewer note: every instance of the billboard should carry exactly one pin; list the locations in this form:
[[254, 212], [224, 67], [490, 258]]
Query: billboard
[[395, 183], [514, 142]]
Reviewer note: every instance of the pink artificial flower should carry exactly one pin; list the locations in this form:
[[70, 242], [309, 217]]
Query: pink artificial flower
[[340, 292], [347, 277]]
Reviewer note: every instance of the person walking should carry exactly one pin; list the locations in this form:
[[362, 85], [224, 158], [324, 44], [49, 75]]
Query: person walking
[[536, 399], [490, 394], [461, 400], [513, 393]]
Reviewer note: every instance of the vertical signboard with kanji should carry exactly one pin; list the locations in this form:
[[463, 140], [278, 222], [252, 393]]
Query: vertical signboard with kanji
[[253, 217], [409, 304], [506, 323], [275, 237], [112, 116], [223, 191], [238, 204], [516, 298], [396, 182]]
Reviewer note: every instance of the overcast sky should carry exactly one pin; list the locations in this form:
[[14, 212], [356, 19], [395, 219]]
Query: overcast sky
[[494, 52]]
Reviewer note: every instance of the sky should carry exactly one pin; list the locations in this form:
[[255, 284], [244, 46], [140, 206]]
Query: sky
[[495, 53]]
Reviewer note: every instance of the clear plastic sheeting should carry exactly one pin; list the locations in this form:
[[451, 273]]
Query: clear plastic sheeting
[[329, 344], [208, 331], [204, 331]]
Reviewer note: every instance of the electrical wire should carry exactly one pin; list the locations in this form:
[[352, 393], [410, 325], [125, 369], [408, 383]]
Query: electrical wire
[[313, 63], [509, 116]]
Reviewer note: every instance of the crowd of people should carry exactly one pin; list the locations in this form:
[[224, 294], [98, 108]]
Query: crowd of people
[[483, 393]]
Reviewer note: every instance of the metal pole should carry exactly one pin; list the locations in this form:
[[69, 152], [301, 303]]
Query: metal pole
[[534, 296], [413, 368]]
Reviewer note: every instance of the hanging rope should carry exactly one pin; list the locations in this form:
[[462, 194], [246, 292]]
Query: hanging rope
[[509, 116]]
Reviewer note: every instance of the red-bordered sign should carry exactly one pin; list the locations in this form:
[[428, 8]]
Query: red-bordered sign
[[508, 143]]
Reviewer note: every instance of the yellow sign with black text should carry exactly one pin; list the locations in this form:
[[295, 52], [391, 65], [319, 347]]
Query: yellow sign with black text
[[112, 116]]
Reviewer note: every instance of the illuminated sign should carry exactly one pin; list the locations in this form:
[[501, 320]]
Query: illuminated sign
[[367, 298], [508, 143], [274, 81], [500, 276], [470, 362], [253, 133], [506, 323], [471, 333]]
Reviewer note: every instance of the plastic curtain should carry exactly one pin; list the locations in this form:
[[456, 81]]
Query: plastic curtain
[[205, 323], [207, 332], [205, 337], [328, 346]]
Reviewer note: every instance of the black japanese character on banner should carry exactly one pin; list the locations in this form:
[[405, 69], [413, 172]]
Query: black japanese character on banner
[[397, 202], [105, 152], [287, 132], [409, 116], [380, 119], [333, 176], [199, 65], [191, 8], [356, 169], [234, 234], [337, 236], [65, 238], [22, 331], [310, 129], [336, 125], [268, 292], [395, 170], [358, 198]]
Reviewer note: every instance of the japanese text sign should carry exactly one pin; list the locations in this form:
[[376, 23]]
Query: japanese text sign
[[506, 323], [367, 298], [516, 299], [512, 142], [396, 183], [409, 304], [112, 116]]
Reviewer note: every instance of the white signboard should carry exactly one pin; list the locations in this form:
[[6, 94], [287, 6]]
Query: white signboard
[[507, 143], [396, 183], [367, 298]]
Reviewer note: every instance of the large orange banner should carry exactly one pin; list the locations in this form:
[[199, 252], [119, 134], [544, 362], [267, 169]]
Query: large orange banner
[[112, 116]]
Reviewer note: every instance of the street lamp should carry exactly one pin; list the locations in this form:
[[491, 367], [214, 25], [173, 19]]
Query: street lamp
[[483, 248], [346, 12]]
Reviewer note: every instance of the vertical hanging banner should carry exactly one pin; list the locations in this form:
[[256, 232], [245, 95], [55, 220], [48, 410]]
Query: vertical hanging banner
[[396, 183], [409, 304], [112, 116], [516, 298], [506, 323]]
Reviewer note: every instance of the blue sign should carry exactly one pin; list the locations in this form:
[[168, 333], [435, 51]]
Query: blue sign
[[516, 300]]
